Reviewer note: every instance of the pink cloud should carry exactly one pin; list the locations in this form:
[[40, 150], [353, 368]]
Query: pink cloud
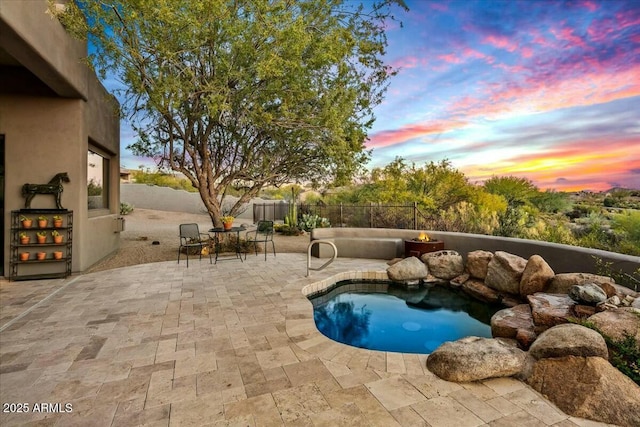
[[501, 42], [568, 35], [391, 137]]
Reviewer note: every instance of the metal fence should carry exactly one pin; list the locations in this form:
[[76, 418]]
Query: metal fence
[[372, 215]]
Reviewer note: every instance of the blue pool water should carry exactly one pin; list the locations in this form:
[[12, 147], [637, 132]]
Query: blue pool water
[[383, 317]]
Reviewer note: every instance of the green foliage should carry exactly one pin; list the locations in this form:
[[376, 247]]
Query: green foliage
[[627, 226], [551, 201], [242, 95], [309, 222], [163, 180], [631, 281], [93, 188], [516, 191], [125, 208]]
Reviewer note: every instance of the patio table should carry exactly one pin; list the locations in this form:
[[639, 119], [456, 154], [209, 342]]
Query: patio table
[[221, 232]]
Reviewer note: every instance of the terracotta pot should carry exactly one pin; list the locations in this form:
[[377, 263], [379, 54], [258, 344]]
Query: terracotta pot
[[27, 223], [25, 240], [42, 239], [227, 225], [41, 255], [24, 256], [57, 223], [57, 239], [57, 255], [42, 223]]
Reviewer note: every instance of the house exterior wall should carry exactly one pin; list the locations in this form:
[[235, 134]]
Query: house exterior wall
[[49, 130]]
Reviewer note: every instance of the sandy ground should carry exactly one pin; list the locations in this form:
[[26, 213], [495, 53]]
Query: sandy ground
[[144, 226]]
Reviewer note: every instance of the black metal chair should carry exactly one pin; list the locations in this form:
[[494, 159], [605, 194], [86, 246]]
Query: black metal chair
[[190, 237], [262, 234]]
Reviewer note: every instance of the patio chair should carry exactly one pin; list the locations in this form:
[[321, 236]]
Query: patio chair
[[190, 237], [262, 234]]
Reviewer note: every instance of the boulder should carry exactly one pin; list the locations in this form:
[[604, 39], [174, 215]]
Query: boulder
[[588, 387], [408, 269], [515, 322], [561, 283], [474, 358], [584, 311], [478, 263], [444, 264], [550, 310], [636, 303], [505, 272], [589, 294], [618, 323], [536, 276], [478, 290], [569, 340]]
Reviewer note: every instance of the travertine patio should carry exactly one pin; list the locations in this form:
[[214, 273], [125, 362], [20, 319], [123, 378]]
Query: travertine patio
[[226, 344]]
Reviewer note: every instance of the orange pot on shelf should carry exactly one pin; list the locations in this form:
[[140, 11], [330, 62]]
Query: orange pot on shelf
[[24, 256], [57, 239], [227, 225], [27, 223], [57, 223], [42, 223], [25, 240], [57, 255], [41, 255], [42, 239]]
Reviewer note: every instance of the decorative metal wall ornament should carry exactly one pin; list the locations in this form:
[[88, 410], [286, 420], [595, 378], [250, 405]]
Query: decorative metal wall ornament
[[53, 187]]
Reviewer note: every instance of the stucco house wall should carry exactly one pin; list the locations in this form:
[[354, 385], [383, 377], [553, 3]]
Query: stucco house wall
[[51, 108]]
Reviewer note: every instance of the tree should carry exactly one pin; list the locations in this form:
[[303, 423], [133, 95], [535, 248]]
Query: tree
[[248, 93]]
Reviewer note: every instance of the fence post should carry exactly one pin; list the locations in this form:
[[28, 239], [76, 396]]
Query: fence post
[[370, 214], [415, 215]]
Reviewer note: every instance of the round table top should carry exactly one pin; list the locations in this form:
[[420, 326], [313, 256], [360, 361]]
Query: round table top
[[224, 230]]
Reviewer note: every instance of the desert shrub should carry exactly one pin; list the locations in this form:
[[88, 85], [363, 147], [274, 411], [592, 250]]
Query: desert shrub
[[125, 208]]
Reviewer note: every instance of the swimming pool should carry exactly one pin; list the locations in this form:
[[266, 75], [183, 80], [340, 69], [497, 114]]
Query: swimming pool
[[385, 317]]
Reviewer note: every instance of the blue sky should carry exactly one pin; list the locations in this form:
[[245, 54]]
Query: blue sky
[[547, 90]]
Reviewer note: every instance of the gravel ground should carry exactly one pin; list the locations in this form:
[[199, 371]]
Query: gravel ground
[[144, 226]]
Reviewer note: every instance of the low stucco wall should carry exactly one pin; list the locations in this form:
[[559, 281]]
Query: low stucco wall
[[562, 258]]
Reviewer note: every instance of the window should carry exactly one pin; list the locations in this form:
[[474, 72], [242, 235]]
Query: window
[[97, 180]]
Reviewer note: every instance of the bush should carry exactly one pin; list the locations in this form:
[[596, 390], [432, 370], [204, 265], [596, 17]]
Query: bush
[[125, 208]]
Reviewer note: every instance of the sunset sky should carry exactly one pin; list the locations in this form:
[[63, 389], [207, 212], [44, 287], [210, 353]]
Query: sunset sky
[[547, 90]]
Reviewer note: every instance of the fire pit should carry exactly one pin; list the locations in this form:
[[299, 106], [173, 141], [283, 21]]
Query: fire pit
[[422, 245]]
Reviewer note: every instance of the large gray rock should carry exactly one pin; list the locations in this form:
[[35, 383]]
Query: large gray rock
[[478, 263], [618, 323], [515, 322], [589, 294], [408, 269], [569, 340], [561, 283], [444, 264], [536, 276], [474, 358], [588, 387], [550, 310], [505, 272]]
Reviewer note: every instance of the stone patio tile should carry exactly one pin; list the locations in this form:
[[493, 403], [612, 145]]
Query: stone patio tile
[[345, 415], [441, 411], [503, 406], [133, 413], [196, 412], [395, 392], [200, 363], [261, 408], [277, 357], [535, 405], [406, 416], [307, 372], [219, 380], [504, 385], [480, 408], [520, 419], [297, 404], [373, 410]]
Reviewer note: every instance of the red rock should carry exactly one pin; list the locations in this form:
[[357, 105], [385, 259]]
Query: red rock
[[478, 290], [536, 276], [549, 310], [506, 323], [583, 311]]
